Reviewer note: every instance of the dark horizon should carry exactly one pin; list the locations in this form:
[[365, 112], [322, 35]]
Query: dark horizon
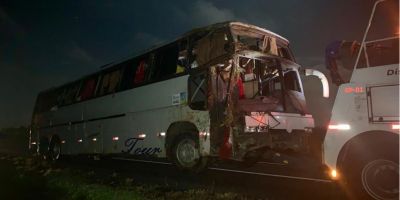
[[45, 44]]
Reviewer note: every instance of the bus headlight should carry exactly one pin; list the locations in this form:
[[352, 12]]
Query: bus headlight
[[253, 129], [250, 129], [308, 130]]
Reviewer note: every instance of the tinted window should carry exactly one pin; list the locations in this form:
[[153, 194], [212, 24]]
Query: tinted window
[[129, 73], [153, 66], [110, 81], [144, 69], [68, 94], [167, 61], [88, 88], [50, 100], [45, 102]]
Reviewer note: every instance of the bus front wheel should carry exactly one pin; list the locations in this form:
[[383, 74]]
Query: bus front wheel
[[186, 154]]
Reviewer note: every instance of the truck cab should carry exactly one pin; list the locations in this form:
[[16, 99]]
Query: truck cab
[[362, 139]]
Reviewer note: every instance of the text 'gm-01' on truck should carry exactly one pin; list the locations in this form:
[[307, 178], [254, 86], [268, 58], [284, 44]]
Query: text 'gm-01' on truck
[[229, 90]]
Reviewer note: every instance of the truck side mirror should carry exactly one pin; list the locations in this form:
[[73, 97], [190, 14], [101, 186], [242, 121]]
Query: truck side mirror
[[322, 78]]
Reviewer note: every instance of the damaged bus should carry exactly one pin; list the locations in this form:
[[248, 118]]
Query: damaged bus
[[230, 90]]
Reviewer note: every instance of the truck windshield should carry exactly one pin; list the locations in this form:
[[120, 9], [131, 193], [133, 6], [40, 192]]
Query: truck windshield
[[380, 52]]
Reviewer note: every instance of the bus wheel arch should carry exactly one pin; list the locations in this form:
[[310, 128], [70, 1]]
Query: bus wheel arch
[[366, 161], [184, 136], [176, 129]]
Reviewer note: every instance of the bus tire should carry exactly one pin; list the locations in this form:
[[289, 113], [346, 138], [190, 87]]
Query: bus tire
[[186, 154], [374, 177], [55, 149]]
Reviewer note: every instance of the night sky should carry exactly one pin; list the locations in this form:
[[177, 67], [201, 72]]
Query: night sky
[[47, 43]]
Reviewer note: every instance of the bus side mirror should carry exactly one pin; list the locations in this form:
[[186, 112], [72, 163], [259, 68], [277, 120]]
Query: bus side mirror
[[322, 78], [197, 89]]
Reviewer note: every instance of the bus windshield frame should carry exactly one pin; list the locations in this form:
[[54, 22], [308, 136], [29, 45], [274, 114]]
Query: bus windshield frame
[[252, 38]]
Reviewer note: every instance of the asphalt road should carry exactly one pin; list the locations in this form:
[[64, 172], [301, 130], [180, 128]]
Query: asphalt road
[[267, 180]]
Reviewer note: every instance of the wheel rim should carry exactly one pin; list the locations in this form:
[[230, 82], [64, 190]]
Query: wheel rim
[[186, 153], [380, 179]]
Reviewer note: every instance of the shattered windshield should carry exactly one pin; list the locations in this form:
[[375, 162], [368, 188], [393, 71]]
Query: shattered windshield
[[261, 77]]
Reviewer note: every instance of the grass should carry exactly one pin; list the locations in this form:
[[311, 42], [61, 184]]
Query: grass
[[74, 187], [31, 178], [27, 178]]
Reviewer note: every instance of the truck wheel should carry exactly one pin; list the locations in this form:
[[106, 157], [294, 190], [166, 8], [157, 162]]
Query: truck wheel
[[380, 179], [55, 149], [186, 154], [374, 178]]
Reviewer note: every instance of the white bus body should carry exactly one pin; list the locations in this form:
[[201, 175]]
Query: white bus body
[[247, 76]]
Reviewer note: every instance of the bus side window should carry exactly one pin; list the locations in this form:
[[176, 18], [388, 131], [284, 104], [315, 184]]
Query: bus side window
[[115, 78], [70, 93], [110, 82], [140, 72], [145, 69], [104, 84], [167, 61], [88, 88], [54, 98], [61, 96], [151, 70], [48, 101], [183, 57], [181, 64], [128, 76]]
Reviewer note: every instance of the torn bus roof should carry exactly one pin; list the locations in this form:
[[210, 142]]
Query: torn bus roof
[[244, 26], [240, 25], [216, 26]]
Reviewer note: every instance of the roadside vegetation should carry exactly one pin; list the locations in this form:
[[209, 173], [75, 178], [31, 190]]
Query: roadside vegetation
[[28, 177], [23, 176]]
